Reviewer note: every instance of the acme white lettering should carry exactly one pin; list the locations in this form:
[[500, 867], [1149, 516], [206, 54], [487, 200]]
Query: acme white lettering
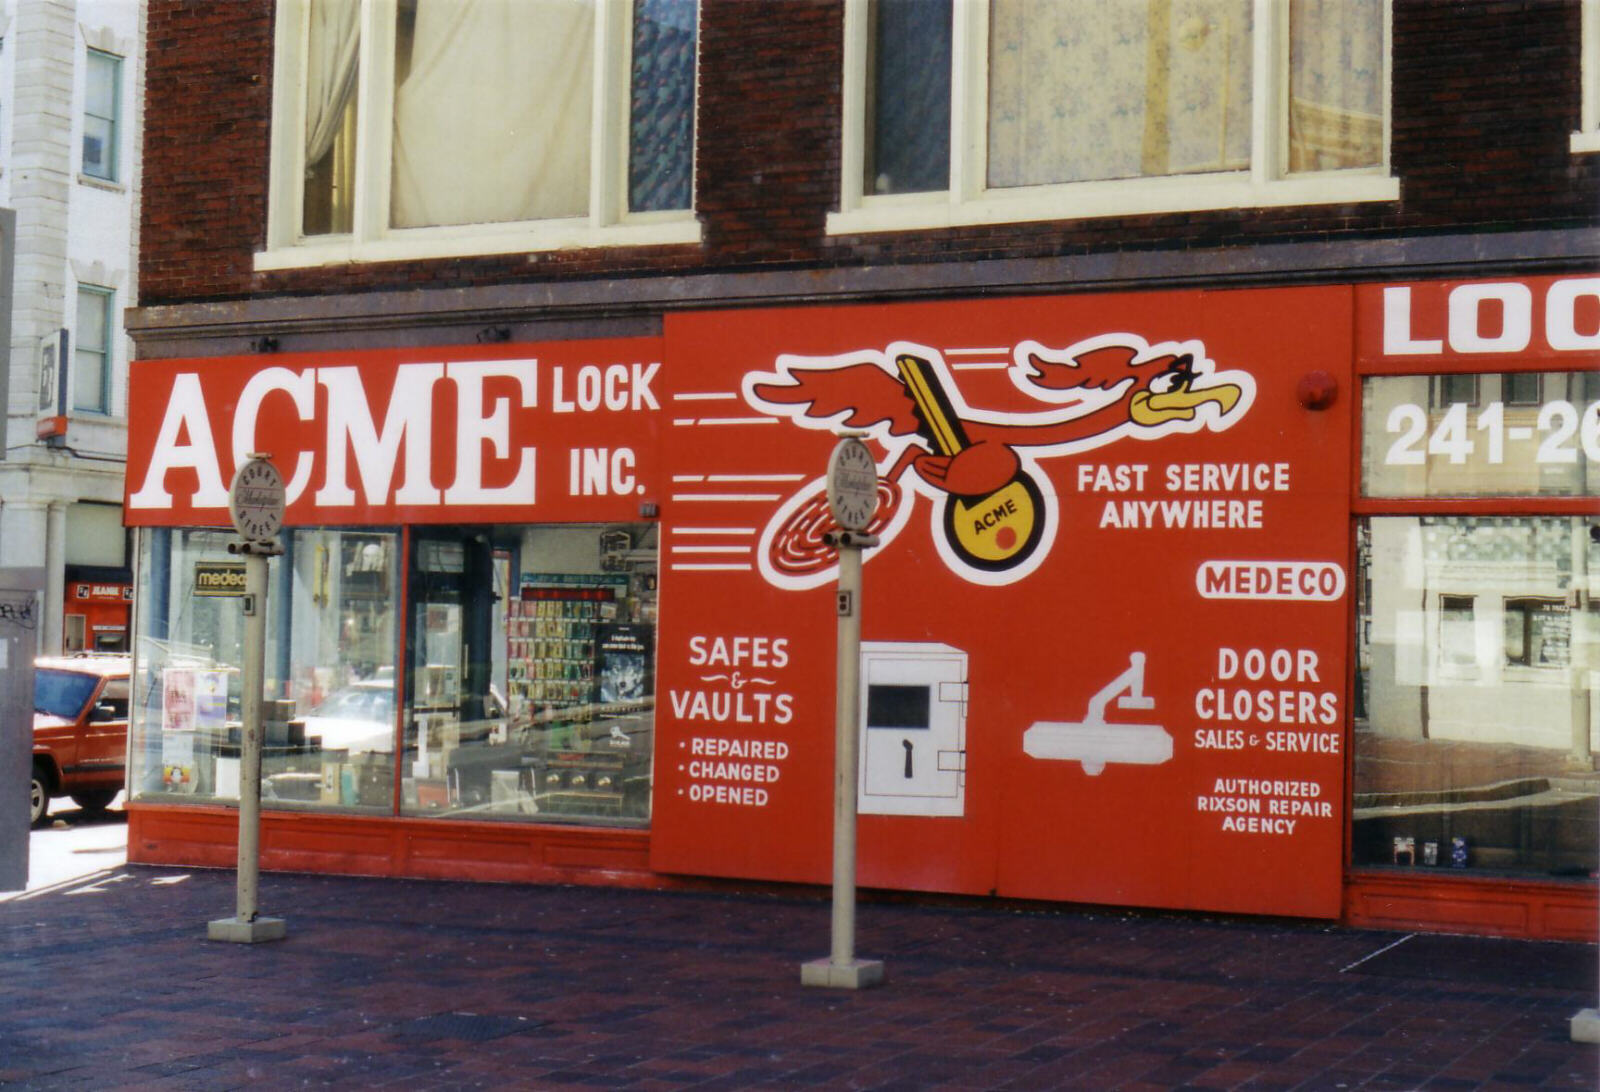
[[477, 408]]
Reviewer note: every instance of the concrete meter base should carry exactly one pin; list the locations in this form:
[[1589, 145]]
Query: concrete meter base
[[858, 974], [235, 931], [1586, 1026]]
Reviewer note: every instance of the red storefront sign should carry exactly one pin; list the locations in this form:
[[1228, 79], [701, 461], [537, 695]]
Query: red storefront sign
[[518, 433], [1468, 325], [103, 610]]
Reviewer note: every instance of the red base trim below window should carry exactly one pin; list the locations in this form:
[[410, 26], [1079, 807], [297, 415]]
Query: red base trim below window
[[355, 845], [1466, 904], [435, 849]]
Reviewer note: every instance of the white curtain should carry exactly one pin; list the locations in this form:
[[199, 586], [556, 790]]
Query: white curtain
[[492, 120], [333, 47]]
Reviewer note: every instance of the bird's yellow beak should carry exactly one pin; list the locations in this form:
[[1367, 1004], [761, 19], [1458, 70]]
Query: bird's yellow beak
[[1179, 405]]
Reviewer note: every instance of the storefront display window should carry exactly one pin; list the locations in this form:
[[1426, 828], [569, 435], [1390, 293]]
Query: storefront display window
[[329, 715], [1516, 434], [1478, 646], [528, 676], [530, 673]]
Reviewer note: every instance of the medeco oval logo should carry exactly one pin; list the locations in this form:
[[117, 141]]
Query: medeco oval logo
[[1308, 581]]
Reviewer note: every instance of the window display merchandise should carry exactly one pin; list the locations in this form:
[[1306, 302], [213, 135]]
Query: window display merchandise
[[525, 693]]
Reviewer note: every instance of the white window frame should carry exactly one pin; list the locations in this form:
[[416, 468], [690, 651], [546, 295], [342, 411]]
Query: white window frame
[[1587, 138], [609, 223], [969, 201], [106, 298], [113, 149]]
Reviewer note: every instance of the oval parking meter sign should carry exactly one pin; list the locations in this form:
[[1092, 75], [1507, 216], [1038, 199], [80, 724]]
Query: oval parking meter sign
[[256, 500], [852, 485]]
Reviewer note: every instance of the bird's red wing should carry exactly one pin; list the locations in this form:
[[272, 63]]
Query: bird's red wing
[[1097, 369], [865, 392]]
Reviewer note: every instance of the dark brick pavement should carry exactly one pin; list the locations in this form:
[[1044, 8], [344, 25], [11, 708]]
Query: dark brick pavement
[[109, 983]]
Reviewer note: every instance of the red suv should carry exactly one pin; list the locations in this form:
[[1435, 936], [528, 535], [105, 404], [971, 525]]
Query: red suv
[[80, 730]]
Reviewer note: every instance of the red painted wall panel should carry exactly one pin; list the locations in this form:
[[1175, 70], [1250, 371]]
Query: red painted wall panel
[[1112, 580]]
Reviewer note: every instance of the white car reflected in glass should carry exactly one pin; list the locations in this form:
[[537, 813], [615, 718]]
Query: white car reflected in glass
[[356, 718]]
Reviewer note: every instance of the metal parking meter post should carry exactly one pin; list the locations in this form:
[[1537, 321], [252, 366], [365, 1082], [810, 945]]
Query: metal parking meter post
[[256, 505], [247, 926], [852, 496], [21, 593]]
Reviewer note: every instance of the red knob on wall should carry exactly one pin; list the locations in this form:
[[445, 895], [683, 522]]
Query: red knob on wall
[[1317, 390]]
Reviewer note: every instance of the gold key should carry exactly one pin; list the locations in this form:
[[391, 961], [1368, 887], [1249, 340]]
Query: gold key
[[992, 531]]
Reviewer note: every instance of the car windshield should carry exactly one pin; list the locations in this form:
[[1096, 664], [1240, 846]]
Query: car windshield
[[61, 693]]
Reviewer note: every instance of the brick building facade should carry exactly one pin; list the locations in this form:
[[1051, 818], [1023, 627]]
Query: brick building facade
[[1484, 102]]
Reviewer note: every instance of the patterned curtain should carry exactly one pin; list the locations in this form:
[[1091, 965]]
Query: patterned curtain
[[1120, 89], [1335, 84]]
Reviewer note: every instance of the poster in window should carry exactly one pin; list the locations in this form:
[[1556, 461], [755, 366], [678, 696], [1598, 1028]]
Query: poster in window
[[625, 654], [177, 762], [1551, 627], [178, 699], [210, 700]]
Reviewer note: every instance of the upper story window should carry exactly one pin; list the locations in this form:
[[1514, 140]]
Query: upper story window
[[91, 353], [102, 80], [1587, 138], [432, 128], [978, 111]]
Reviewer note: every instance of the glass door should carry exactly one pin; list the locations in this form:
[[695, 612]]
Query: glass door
[[452, 703]]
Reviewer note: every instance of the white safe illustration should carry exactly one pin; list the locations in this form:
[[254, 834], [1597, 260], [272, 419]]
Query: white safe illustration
[[913, 729]]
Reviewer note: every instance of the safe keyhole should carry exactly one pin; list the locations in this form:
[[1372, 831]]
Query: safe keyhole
[[906, 743]]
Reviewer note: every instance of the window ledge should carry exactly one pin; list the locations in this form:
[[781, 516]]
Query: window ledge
[[1550, 674], [101, 184], [426, 243], [1084, 200], [1583, 143]]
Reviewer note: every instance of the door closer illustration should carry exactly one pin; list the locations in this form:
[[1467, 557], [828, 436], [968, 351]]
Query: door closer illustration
[[914, 729], [1095, 742]]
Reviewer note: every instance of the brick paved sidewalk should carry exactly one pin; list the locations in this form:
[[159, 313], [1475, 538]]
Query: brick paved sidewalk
[[108, 983]]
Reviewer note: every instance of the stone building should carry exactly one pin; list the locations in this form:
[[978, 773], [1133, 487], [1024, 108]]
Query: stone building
[[71, 111]]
